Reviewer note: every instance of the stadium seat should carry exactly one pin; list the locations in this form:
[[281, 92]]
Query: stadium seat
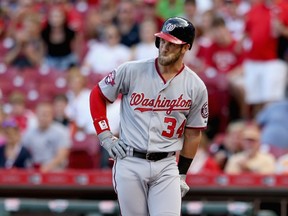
[[93, 79], [83, 144], [80, 159], [89, 142]]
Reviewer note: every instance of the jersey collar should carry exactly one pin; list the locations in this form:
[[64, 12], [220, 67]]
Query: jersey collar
[[159, 73]]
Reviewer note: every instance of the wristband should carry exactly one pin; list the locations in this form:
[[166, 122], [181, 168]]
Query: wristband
[[184, 164], [101, 124]]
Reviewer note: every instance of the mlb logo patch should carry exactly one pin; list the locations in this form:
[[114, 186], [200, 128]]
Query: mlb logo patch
[[110, 78]]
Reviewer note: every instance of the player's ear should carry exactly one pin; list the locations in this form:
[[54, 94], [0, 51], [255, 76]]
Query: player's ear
[[185, 47]]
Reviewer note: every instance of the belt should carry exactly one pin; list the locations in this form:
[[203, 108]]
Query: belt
[[153, 156]]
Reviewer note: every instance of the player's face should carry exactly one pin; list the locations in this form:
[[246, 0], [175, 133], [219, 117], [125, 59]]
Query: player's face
[[169, 53]]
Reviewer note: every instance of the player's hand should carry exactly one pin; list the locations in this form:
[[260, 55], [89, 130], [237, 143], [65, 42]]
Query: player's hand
[[183, 185], [115, 147]]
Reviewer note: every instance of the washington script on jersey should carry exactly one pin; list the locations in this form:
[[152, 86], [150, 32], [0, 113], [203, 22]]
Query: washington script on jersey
[[159, 104]]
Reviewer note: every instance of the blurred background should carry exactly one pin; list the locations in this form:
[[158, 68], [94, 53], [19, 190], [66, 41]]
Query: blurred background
[[53, 52]]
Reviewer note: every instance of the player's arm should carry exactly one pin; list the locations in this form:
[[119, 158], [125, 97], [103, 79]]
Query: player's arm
[[98, 110], [192, 139]]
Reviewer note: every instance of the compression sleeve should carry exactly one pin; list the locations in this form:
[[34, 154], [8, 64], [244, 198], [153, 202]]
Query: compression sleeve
[[98, 110]]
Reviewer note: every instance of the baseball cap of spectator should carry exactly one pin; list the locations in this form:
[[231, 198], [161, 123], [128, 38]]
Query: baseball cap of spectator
[[9, 123], [251, 133]]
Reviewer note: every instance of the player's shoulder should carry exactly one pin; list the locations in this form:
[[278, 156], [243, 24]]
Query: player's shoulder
[[138, 63], [192, 75], [136, 66]]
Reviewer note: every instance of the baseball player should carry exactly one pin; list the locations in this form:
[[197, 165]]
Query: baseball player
[[163, 110]]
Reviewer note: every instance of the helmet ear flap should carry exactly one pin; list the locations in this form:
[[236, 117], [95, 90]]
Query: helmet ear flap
[[157, 42]]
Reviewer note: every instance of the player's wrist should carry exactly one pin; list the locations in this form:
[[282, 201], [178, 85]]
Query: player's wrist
[[183, 177], [101, 125], [184, 164], [104, 135]]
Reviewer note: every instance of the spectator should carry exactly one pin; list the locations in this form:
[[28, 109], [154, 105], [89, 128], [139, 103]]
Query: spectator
[[195, 58], [273, 122], [5, 42], [78, 97], [17, 12], [282, 165], [169, 8], [79, 114], [49, 142], [233, 18], [60, 103], [93, 25], [191, 59], [265, 76], [2, 118], [107, 11], [12, 153], [149, 13], [226, 58], [227, 144], [103, 57], [24, 117], [204, 162], [146, 48], [251, 159], [60, 41], [191, 13], [27, 50], [126, 22]]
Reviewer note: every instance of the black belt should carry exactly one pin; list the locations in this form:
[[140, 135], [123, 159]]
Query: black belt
[[153, 156]]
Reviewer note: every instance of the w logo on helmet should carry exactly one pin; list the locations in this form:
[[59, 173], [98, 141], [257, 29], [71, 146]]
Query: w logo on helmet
[[170, 27], [110, 78]]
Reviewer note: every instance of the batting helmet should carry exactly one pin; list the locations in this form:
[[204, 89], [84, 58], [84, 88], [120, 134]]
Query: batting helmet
[[176, 30]]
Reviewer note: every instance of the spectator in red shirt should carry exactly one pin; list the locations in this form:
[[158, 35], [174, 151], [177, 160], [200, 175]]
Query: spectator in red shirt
[[224, 56], [264, 74]]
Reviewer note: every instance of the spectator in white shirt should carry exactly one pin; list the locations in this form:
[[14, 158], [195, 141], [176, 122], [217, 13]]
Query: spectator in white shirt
[[146, 48], [103, 57]]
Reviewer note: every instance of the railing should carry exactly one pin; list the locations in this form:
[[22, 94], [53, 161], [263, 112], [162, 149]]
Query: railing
[[261, 191], [100, 208]]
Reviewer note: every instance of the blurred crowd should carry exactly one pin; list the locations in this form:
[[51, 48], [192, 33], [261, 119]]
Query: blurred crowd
[[53, 52]]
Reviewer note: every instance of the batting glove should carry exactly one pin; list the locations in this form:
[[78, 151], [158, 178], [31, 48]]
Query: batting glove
[[115, 147], [183, 185]]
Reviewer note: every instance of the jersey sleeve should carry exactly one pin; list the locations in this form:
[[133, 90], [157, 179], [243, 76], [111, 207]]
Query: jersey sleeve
[[198, 115], [115, 82]]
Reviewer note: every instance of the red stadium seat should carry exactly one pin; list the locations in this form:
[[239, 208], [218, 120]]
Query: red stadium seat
[[80, 159], [85, 141], [89, 143], [51, 83]]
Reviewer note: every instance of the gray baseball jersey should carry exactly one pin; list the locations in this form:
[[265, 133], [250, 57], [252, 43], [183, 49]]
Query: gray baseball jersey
[[154, 113]]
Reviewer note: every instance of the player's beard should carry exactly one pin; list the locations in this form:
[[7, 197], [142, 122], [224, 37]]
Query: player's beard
[[169, 59]]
